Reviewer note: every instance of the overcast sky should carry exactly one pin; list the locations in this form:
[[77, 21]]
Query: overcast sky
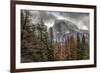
[[81, 20]]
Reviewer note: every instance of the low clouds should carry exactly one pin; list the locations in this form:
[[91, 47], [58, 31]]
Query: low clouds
[[81, 20]]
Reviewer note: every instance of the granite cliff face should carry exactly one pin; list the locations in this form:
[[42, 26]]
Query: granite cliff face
[[62, 29]]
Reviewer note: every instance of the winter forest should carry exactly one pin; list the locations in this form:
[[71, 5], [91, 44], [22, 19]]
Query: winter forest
[[54, 36]]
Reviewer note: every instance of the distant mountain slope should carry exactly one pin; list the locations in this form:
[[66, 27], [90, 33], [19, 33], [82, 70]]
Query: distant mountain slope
[[63, 28]]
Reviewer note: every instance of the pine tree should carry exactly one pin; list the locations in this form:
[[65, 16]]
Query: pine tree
[[85, 48], [67, 48], [51, 46], [73, 48], [25, 52], [79, 45]]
